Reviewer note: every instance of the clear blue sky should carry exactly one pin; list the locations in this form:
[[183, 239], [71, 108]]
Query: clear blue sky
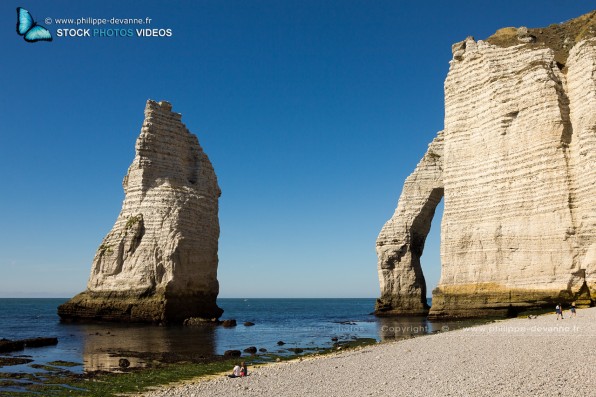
[[312, 112]]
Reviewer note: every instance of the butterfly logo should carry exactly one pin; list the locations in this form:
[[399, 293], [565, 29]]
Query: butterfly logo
[[29, 29]]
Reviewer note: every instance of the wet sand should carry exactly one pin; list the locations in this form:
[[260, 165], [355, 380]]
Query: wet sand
[[515, 357]]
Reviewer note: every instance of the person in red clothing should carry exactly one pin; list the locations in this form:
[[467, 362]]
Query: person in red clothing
[[243, 369]]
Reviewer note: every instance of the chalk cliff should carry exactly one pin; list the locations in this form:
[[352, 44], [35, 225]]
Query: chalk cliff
[[159, 262], [516, 167], [401, 242]]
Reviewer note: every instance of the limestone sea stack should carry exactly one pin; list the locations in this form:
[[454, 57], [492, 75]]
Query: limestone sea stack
[[516, 167], [159, 262]]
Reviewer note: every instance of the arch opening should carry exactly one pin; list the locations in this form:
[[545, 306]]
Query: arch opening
[[431, 263]]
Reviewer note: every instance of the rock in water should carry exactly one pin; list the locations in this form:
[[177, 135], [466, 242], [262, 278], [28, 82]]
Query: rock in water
[[159, 262], [232, 353], [516, 165], [251, 350], [229, 323]]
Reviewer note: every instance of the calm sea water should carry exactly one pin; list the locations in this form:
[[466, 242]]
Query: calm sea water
[[304, 323]]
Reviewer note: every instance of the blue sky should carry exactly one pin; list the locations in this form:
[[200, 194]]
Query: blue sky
[[312, 112]]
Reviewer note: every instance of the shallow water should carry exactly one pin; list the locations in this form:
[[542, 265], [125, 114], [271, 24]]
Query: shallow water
[[304, 323]]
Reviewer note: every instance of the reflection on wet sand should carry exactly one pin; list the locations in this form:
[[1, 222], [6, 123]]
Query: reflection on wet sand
[[106, 345], [391, 328], [402, 327]]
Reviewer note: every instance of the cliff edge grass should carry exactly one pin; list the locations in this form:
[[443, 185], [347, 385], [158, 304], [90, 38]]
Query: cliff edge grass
[[560, 37]]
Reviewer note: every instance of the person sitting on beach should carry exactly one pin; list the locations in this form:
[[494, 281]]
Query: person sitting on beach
[[236, 372], [559, 311], [243, 369], [573, 314]]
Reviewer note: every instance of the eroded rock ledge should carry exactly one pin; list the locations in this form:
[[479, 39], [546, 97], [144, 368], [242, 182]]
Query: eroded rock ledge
[[516, 165], [159, 262]]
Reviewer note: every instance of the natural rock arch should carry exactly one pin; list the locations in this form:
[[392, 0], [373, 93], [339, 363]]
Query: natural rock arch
[[516, 163], [401, 241]]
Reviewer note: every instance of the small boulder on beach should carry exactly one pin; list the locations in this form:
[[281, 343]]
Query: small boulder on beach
[[229, 323], [249, 324]]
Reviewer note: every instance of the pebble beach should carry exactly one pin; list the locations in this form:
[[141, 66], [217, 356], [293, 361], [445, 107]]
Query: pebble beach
[[542, 356]]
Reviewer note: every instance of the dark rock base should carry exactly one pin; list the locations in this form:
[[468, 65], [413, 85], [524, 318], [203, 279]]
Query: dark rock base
[[481, 301], [385, 307], [490, 301], [157, 308]]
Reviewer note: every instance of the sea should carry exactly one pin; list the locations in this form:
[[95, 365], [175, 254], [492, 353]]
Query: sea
[[298, 323]]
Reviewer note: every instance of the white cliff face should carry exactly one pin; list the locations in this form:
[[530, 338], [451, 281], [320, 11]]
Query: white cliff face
[[581, 88], [507, 220], [159, 261], [519, 177]]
